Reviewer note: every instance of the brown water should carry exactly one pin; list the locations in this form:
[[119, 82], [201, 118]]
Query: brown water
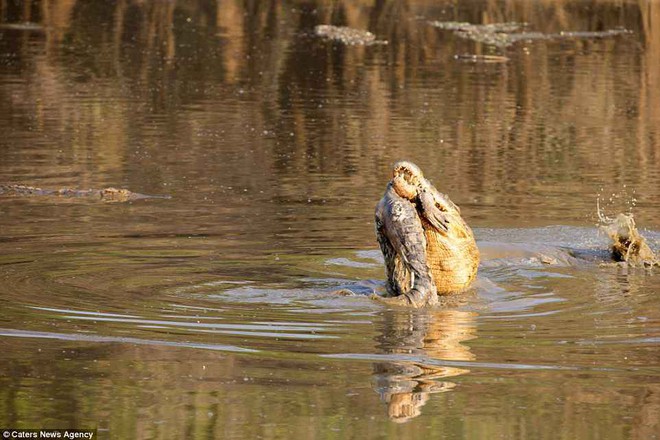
[[208, 315]]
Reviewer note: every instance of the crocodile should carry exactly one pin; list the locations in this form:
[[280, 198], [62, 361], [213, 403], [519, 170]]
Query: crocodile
[[346, 35], [504, 35], [430, 251], [105, 194]]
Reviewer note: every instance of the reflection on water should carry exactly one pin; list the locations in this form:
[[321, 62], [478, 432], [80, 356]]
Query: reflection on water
[[209, 314], [405, 386]]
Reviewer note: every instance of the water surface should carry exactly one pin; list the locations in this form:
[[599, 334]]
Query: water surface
[[209, 314]]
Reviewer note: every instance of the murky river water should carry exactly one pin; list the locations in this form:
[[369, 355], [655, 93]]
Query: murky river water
[[208, 315]]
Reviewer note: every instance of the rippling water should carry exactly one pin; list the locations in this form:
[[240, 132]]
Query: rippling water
[[210, 314]]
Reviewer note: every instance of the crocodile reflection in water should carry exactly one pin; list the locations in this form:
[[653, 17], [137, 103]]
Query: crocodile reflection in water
[[405, 386]]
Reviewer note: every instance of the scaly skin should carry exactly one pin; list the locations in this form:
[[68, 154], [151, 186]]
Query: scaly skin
[[346, 35], [105, 194], [427, 246]]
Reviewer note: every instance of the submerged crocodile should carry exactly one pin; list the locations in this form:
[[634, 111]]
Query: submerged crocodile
[[106, 194], [346, 35], [429, 250], [503, 35]]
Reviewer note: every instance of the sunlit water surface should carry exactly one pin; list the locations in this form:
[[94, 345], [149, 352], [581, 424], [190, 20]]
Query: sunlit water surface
[[210, 314]]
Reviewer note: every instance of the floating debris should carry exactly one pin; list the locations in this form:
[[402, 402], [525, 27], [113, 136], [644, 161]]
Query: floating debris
[[485, 59], [594, 34], [346, 35], [24, 26], [461, 26], [506, 34]]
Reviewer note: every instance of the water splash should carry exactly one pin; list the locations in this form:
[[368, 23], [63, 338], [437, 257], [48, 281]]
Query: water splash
[[627, 244], [624, 201]]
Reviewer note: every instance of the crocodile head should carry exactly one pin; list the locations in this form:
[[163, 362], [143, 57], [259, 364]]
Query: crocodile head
[[433, 207]]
